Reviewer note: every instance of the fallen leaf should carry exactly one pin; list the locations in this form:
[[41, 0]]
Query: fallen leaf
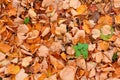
[[105, 20], [36, 67], [81, 63], [68, 73], [13, 69], [33, 34], [26, 61], [98, 57], [116, 3], [2, 56], [81, 9], [103, 45], [96, 33], [56, 63], [92, 73], [43, 51], [21, 75], [4, 47], [75, 4], [64, 56], [32, 13], [117, 19]]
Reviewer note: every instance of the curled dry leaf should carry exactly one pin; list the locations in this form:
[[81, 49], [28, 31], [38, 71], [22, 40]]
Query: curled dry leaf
[[13, 69], [56, 63], [45, 32], [2, 56], [79, 33], [26, 61], [75, 4], [96, 33], [26, 52], [33, 34], [21, 75], [68, 73], [32, 13], [108, 69]]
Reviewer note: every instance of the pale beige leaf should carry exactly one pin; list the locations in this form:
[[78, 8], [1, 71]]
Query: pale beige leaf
[[21, 75], [81, 63], [68, 73], [75, 4]]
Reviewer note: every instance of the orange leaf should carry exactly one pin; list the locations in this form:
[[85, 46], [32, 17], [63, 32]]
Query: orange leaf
[[63, 55], [105, 20], [81, 9], [13, 69], [103, 45], [36, 67], [4, 47]]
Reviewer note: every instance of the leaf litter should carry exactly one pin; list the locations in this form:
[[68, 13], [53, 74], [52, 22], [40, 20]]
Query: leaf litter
[[59, 39]]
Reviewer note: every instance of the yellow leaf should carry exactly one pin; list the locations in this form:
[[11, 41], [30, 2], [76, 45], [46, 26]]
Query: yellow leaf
[[13, 69], [81, 9], [63, 55]]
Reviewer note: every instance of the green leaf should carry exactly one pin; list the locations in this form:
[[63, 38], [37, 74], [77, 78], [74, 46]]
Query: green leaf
[[115, 57], [81, 49], [106, 37], [26, 20]]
